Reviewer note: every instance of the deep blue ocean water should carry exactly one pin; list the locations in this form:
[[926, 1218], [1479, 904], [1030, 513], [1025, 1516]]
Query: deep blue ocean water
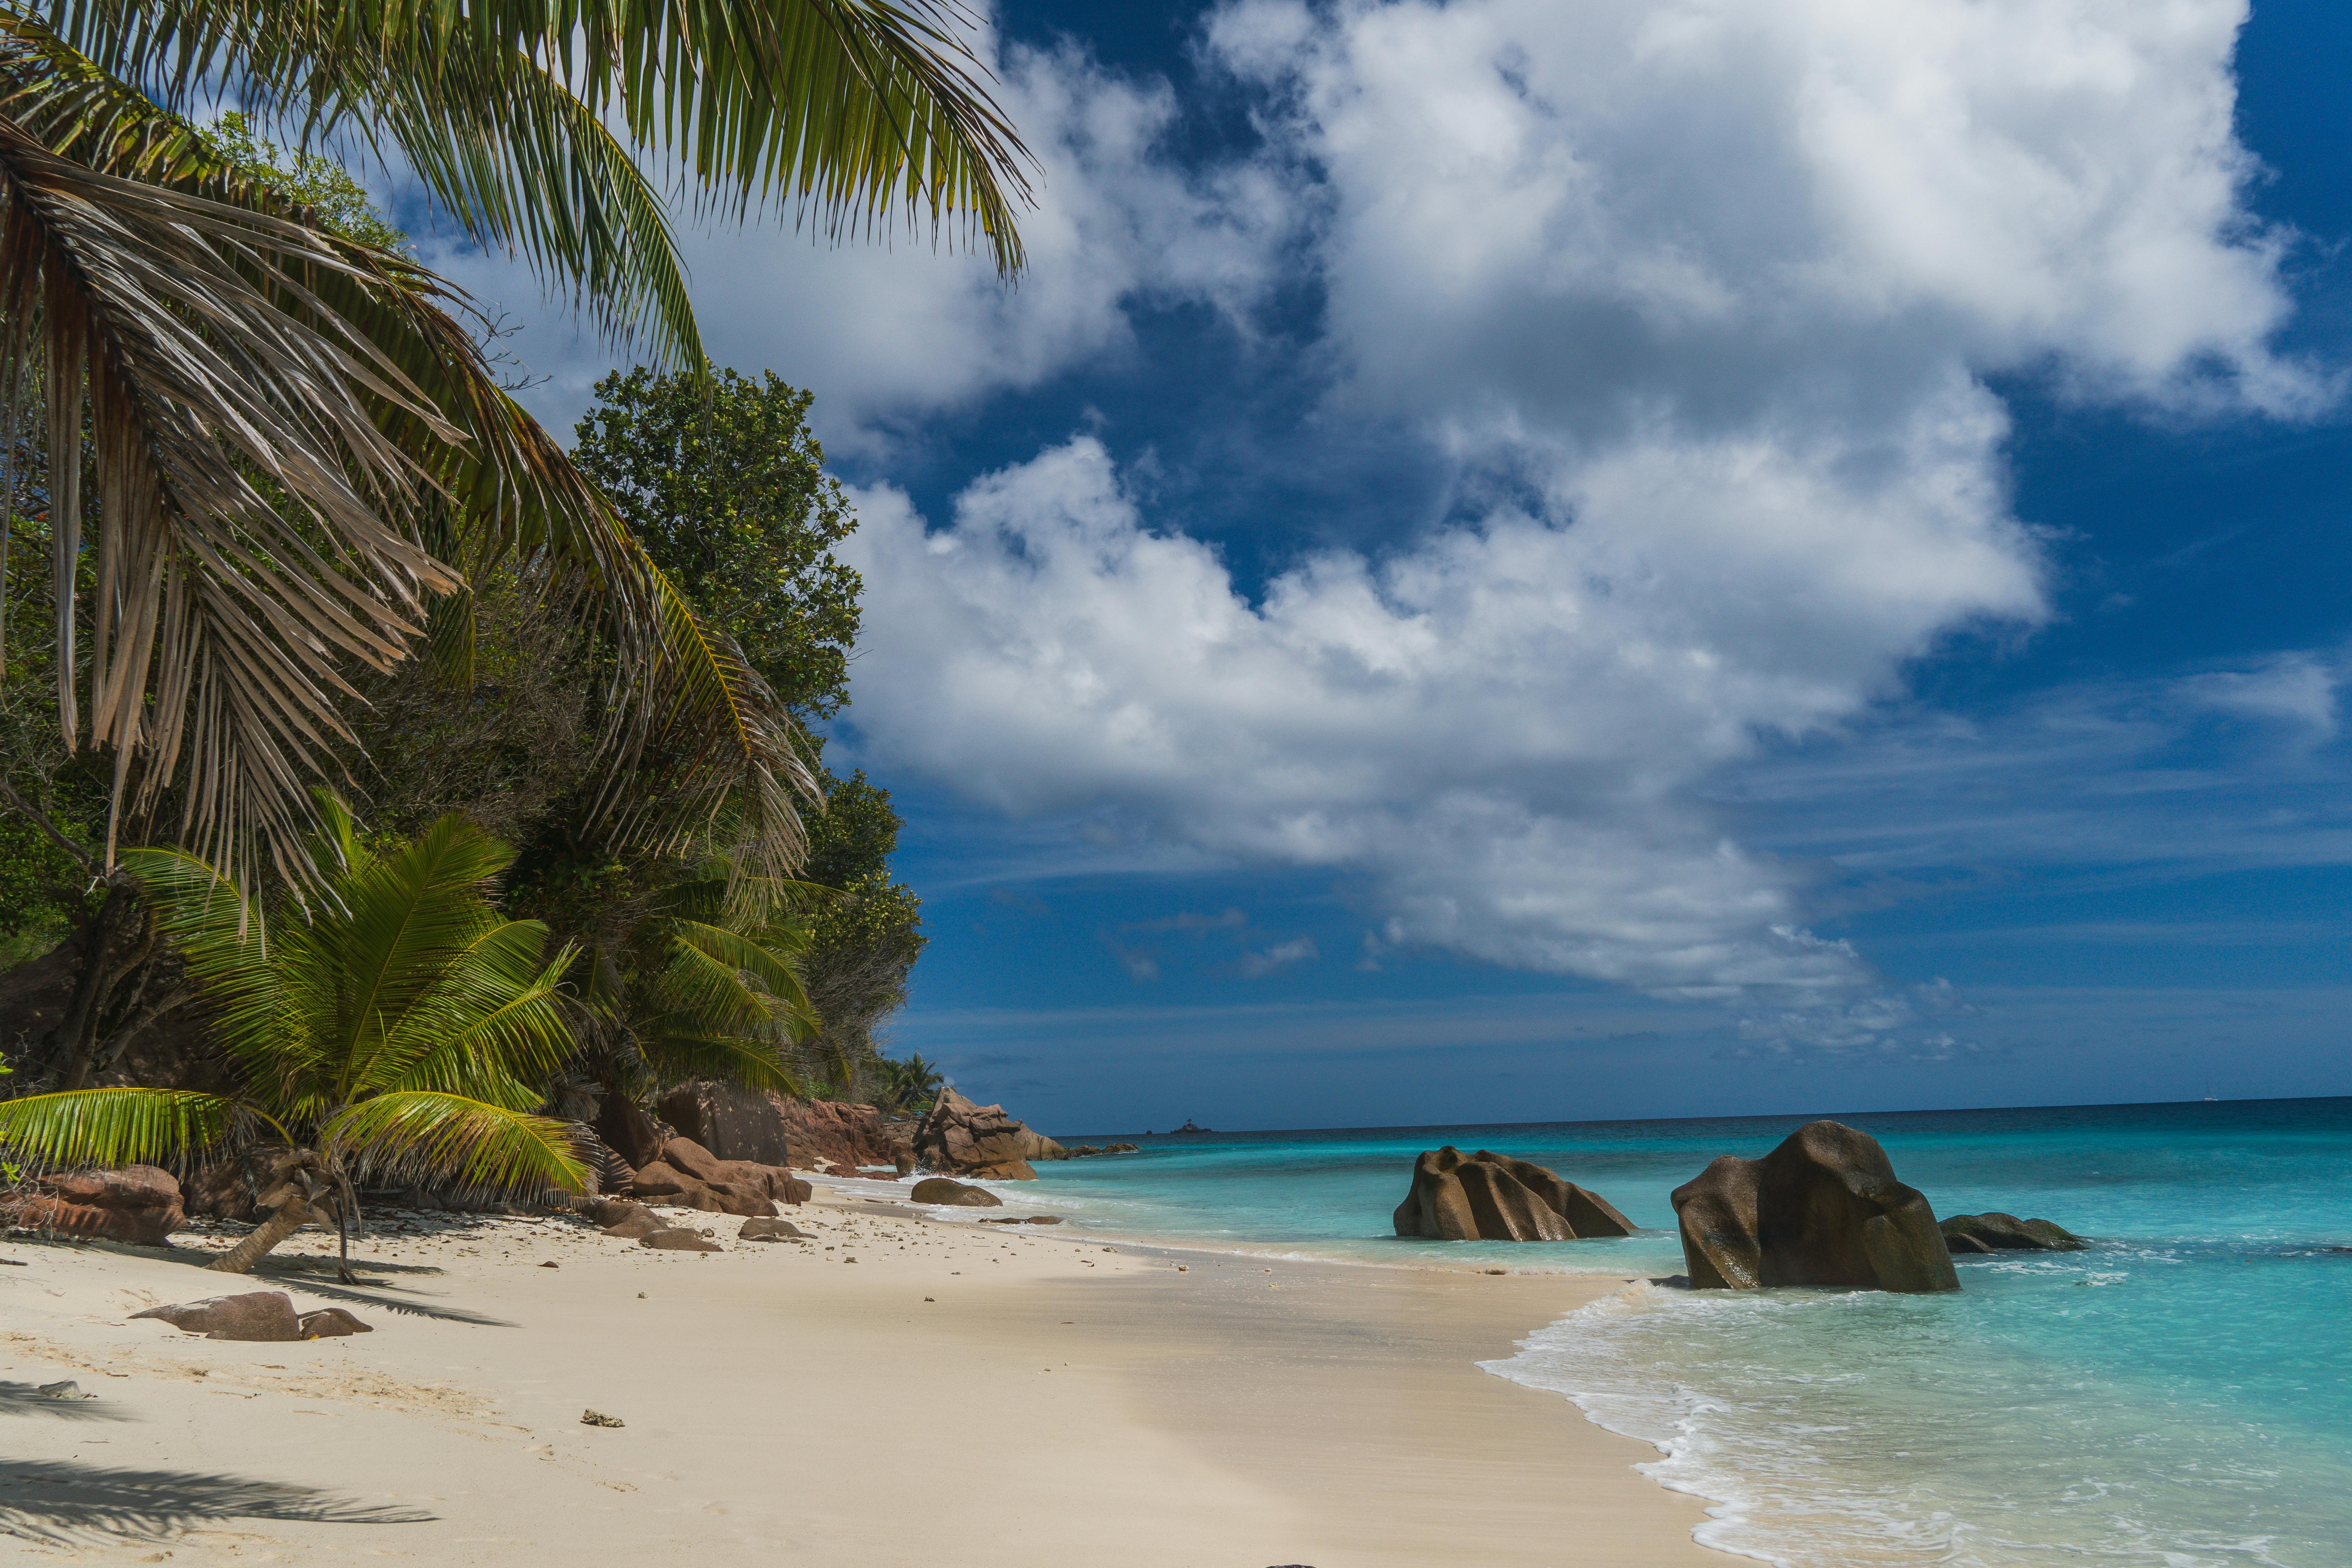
[[2178, 1396]]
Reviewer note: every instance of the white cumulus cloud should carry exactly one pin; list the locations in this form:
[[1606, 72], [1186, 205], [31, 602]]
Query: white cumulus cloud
[[1708, 291], [888, 332]]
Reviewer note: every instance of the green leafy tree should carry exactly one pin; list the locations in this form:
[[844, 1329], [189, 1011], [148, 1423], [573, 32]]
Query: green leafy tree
[[395, 1027], [337, 201], [864, 941], [706, 985], [725, 487], [297, 449]]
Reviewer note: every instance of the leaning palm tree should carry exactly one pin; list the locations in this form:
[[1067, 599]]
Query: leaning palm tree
[[298, 455], [395, 1029]]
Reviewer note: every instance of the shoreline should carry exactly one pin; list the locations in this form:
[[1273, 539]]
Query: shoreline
[[995, 1394]]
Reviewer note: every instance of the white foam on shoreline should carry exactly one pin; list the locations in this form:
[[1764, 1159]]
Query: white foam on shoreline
[[1813, 1449]]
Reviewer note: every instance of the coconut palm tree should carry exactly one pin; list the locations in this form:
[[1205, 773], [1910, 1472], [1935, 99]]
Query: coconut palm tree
[[706, 984], [908, 1086], [392, 1029], [297, 452]]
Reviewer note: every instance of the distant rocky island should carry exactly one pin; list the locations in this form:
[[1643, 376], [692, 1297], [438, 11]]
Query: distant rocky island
[[1188, 1127]]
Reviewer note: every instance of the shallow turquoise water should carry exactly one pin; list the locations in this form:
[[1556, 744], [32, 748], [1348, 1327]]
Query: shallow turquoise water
[[2178, 1396]]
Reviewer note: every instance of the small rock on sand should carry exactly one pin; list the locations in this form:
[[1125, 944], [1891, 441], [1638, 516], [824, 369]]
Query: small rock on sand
[[262, 1315], [331, 1322], [678, 1241]]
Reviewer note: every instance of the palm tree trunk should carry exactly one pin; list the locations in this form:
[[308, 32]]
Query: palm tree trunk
[[290, 1216]]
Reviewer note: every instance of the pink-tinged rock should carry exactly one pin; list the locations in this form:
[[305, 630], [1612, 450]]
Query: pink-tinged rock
[[963, 1139], [635, 1227], [680, 1241], [138, 1204], [331, 1322], [263, 1315], [686, 1154]]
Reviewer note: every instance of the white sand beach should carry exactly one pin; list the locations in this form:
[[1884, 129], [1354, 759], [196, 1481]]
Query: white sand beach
[[896, 1391]]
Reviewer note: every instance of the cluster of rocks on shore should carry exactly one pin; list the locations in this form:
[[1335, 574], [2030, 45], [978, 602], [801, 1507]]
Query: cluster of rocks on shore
[[1824, 1208], [961, 1139], [708, 1146]]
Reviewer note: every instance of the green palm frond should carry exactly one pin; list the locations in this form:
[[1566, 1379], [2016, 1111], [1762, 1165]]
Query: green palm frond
[[489, 1025], [414, 1134], [751, 982], [676, 1051], [259, 983], [111, 1126], [853, 111], [400, 924]]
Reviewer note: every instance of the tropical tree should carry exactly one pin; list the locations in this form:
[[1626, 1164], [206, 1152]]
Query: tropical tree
[[722, 483], [295, 448], [908, 1086], [272, 455], [391, 1028], [864, 941], [704, 983]]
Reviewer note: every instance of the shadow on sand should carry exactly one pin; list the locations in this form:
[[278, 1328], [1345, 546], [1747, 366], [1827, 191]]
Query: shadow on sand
[[26, 1399], [301, 1272], [57, 1502]]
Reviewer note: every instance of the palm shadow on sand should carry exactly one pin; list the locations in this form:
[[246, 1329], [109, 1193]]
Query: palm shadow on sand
[[303, 1274], [26, 1399], [57, 1502]]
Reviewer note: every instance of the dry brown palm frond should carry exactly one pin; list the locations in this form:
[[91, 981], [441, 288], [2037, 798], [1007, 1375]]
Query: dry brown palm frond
[[426, 435], [249, 504]]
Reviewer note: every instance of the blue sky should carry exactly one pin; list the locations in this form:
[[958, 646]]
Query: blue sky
[[1531, 560]]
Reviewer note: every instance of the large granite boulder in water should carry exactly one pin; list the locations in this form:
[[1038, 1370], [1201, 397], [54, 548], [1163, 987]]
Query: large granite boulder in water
[[961, 1139], [1493, 1197], [1996, 1232], [1823, 1208], [939, 1190]]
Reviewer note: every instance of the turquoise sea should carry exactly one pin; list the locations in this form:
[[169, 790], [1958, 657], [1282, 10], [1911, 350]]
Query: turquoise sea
[[2178, 1396]]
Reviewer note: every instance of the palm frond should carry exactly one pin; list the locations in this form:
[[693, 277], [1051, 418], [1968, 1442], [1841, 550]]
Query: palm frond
[[489, 1026], [749, 983], [506, 490], [419, 1133], [261, 981], [675, 1052], [111, 1126], [403, 918], [248, 498], [854, 112]]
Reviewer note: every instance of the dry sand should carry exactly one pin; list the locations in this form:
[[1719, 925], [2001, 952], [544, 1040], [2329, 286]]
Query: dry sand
[[963, 1395]]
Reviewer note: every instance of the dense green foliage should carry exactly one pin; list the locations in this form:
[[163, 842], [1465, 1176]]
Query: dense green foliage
[[726, 488], [862, 944], [729, 496], [393, 1025], [340, 202]]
